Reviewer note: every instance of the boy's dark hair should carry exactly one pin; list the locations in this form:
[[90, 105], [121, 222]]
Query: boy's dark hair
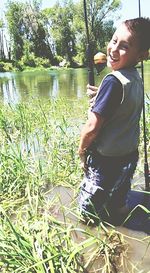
[[141, 28]]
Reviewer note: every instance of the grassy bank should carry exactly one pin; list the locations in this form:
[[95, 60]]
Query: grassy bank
[[38, 152], [38, 145]]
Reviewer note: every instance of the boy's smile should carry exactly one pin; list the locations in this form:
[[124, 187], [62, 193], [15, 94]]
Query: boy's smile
[[123, 50]]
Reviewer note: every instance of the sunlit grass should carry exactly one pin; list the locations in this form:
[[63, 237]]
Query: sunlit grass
[[39, 151], [40, 243], [38, 145]]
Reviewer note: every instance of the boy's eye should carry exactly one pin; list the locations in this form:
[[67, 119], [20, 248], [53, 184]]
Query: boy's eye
[[114, 41], [124, 46]]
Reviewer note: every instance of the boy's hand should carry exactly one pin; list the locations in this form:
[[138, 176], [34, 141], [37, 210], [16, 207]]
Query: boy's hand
[[83, 158], [91, 91]]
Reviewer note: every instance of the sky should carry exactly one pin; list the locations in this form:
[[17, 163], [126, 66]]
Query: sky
[[130, 8]]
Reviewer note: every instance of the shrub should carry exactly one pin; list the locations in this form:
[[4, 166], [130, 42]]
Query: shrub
[[5, 67]]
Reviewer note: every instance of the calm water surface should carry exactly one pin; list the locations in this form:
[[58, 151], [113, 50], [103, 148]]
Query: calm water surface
[[17, 87]]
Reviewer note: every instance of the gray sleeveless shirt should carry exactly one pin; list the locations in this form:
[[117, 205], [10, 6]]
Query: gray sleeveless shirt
[[120, 134]]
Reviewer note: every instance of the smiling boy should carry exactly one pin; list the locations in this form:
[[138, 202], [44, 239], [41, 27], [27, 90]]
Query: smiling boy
[[109, 140]]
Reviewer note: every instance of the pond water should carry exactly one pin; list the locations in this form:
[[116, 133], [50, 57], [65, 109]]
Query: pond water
[[16, 87], [136, 254], [20, 86]]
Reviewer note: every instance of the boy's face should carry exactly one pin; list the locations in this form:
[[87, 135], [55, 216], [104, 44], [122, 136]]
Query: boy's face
[[122, 50]]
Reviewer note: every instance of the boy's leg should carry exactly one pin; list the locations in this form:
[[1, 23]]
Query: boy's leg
[[92, 196], [106, 183], [94, 188], [123, 182]]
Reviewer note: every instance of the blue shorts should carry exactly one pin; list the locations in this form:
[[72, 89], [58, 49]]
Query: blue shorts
[[106, 183]]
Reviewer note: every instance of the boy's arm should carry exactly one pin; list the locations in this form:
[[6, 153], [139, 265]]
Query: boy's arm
[[88, 135]]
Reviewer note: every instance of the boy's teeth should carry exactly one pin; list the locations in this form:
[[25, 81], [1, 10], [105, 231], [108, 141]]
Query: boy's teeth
[[114, 59]]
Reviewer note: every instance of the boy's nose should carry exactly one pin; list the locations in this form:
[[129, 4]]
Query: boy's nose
[[114, 47]]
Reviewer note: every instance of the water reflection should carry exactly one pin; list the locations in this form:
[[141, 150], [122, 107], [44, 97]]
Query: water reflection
[[55, 89], [10, 93], [68, 83], [21, 86]]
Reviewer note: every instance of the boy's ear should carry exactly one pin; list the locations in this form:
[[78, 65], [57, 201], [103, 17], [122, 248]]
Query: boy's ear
[[144, 55]]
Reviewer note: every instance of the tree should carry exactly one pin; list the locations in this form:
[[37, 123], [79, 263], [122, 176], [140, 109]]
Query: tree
[[35, 31], [61, 18], [14, 17], [27, 30], [59, 30], [100, 26], [2, 54], [67, 27]]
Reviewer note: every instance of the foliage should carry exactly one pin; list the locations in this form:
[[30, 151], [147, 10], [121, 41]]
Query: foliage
[[27, 30], [67, 27], [1, 23], [33, 61], [63, 33], [147, 131], [6, 66], [45, 244], [38, 152], [15, 20], [2, 53], [100, 26], [58, 31], [25, 133]]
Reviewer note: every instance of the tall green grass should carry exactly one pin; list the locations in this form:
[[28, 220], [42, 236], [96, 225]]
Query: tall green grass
[[40, 243], [38, 144], [140, 169]]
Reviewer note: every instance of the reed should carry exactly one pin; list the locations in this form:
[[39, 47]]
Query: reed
[[38, 152], [141, 144], [40, 243], [37, 141]]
